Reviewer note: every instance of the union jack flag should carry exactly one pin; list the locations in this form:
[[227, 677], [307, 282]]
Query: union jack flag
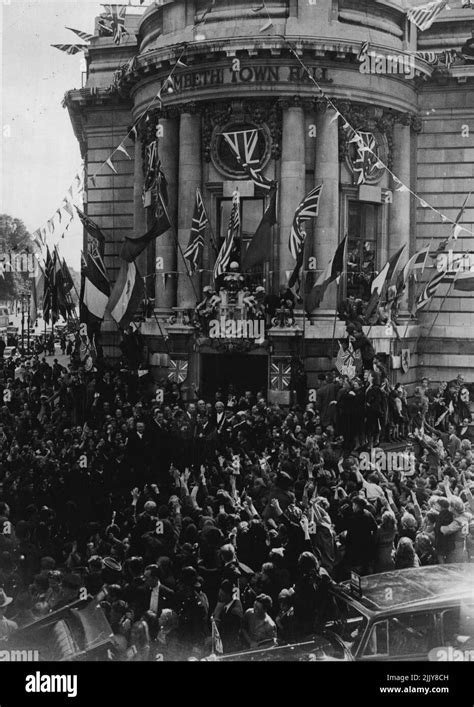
[[348, 361], [70, 48], [243, 144], [431, 287], [196, 238], [366, 156], [225, 252], [113, 22], [280, 375], [423, 16], [178, 371], [308, 209]]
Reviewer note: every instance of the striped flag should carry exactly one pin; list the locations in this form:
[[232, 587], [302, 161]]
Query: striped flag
[[423, 16], [366, 156], [457, 228], [83, 35], [243, 144], [431, 288], [193, 252], [95, 290], [415, 263], [217, 647], [383, 280], [225, 252], [126, 296], [70, 48], [307, 210]]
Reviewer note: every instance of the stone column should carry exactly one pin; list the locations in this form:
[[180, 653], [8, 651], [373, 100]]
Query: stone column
[[168, 146], [139, 211], [399, 214], [190, 176], [292, 181], [326, 172]]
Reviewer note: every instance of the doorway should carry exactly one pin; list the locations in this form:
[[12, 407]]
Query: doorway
[[243, 371]]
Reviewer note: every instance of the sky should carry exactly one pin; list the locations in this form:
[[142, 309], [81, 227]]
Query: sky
[[40, 155]]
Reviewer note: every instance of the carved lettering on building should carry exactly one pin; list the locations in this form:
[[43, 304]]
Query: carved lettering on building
[[241, 75]]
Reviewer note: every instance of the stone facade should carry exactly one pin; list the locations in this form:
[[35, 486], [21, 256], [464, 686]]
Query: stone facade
[[235, 74]]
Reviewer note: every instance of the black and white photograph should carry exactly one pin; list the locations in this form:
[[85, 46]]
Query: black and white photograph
[[237, 339]]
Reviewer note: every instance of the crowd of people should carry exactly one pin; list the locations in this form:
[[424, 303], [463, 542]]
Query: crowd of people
[[231, 516]]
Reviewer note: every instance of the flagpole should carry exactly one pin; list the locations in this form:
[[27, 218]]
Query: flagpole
[[335, 318]]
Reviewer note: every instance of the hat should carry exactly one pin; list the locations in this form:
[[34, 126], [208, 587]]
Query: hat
[[190, 577], [112, 564], [4, 600]]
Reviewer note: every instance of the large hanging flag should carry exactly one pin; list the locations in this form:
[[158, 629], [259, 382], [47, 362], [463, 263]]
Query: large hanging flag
[[70, 48], [37, 292], [260, 247], [348, 361], [223, 259], [132, 247], [91, 227], [48, 288], [334, 269], [95, 291], [113, 22], [243, 144], [423, 16], [431, 287], [416, 263], [306, 210], [383, 280], [83, 35], [127, 294], [193, 252]]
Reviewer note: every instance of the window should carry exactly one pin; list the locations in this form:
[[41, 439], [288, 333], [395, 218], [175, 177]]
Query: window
[[377, 645], [458, 626], [361, 248], [412, 634]]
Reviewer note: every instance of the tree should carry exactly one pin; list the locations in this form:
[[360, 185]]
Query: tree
[[14, 238]]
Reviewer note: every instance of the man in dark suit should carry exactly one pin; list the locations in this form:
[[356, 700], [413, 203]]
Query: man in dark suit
[[160, 443], [137, 452], [187, 434]]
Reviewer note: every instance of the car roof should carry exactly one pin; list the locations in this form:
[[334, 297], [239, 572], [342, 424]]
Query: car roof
[[410, 588]]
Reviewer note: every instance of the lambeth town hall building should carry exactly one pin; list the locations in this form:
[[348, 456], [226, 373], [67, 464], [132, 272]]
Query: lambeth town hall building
[[189, 71]]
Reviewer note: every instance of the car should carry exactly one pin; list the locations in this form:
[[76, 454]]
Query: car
[[77, 632], [403, 615]]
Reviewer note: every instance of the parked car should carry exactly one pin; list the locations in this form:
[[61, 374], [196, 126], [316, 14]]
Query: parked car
[[79, 631], [404, 615]]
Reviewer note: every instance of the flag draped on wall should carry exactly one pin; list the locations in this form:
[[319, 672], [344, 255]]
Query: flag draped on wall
[[223, 259], [243, 144], [366, 156], [260, 248], [193, 252]]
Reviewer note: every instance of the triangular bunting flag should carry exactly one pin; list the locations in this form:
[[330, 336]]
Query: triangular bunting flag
[[266, 26], [423, 203], [121, 148], [109, 163], [334, 118]]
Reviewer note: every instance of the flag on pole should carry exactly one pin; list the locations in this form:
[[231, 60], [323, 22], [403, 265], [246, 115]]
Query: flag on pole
[[225, 252], [114, 21], [70, 48], [423, 16], [431, 288], [48, 287], [243, 144], [132, 247], [193, 252], [334, 269], [259, 249], [91, 227], [37, 292], [306, 210], [416, 263], [383, 280], [217, 647], [457, 228], [83, 35], [464, 281], [126, 296]]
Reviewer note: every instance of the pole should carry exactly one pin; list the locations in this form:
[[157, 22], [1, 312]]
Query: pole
[[22, 300], [28, 321], [335, 318]]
